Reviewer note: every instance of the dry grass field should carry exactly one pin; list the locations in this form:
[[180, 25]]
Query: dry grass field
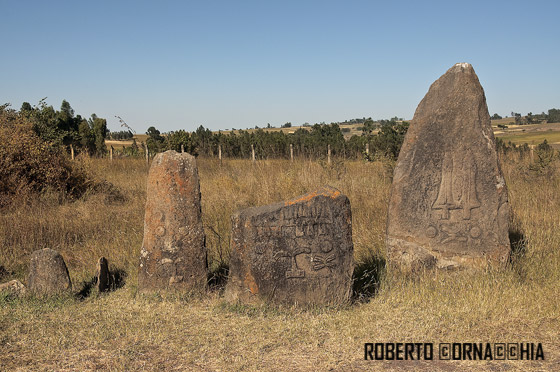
[[119, 144], [125, 331]]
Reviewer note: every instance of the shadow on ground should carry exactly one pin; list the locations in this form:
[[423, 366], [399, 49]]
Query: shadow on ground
[[217, 278], [518, 245], [367, 278]]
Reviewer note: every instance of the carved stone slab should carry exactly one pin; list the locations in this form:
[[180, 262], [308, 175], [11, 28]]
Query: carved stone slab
[[173, 254], [299, 251], [449, 205], [48, 273]]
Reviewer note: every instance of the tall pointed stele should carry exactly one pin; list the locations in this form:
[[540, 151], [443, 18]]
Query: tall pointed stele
[[449, 206], [173, 254]]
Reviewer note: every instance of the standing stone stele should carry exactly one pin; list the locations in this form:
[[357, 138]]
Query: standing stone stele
[[173, 254], [103, 275], [296, 252], [48, 273], [449, 206]]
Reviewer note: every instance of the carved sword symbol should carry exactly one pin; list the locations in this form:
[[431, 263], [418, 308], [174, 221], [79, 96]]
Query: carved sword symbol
[[445, 199], [469, 200]]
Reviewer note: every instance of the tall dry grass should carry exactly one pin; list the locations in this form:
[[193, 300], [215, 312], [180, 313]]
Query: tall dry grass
[[86, 229], [124, 331]]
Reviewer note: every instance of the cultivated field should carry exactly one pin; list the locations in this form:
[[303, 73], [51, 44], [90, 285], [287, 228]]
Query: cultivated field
[[532, 134], [124, 331]]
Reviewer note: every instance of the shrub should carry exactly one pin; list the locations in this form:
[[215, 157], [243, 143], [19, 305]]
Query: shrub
[[544, 156], [29, 165]]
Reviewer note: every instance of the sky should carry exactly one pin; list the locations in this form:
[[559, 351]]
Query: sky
[[240, 64]]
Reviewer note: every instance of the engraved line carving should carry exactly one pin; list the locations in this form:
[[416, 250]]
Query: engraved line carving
[[469, 199], [294, 271], [454, 231], [320, 261], [445, 200]]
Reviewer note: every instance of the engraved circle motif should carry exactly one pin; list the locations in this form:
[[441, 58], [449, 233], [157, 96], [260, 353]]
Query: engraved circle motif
[[475, 232], [431, 232], [160, 231], [158, 215], [326, 247]]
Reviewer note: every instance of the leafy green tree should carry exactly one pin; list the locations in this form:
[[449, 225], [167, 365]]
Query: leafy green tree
[[87, 138], [155, 140], [174, 140], [368, 126], [389, 140], [99, 130], [62, 128], [26, 107], [553, 116], [67, 124], [45, 124], [545, 154], [204, 140], [496, 117]]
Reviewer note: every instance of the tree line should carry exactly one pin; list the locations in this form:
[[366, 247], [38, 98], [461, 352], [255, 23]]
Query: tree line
[[309, 143], [553, 116], [63, 128]]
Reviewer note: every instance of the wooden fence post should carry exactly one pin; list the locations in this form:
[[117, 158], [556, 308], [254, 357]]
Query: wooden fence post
[[147, 154], [532, 152], [72, 151], [292, 152], [182, 148], [220, 153], [329, 154], [111, 152], [367, 148], [253, 152]]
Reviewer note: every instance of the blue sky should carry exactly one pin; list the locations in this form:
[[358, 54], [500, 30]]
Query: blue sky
[[223, 64]]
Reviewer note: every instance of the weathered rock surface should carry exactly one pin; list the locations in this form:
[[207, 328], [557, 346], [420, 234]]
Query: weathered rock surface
[[14, 286], [103, 275], [48, 273], [173, 254], [449, 205], [299, 251]]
